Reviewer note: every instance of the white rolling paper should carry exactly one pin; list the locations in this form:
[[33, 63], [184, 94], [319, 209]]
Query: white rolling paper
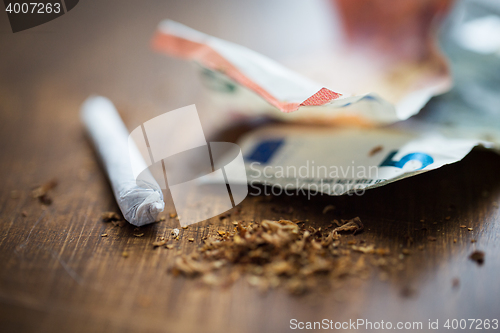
[[141, 200]]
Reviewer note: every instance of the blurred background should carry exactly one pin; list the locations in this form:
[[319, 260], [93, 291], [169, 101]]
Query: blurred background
[[104, 47]]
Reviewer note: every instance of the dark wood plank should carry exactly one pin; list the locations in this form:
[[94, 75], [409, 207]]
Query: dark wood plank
[[58, 273]]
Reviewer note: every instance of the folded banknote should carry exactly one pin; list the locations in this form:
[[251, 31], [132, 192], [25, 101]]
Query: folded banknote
[[242, 80]]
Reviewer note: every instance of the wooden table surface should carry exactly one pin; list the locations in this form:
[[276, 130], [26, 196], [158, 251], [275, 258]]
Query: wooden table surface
[[58, 274]]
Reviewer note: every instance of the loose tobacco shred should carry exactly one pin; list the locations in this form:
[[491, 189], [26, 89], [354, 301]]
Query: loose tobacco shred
[[274, 253], [42, 192]]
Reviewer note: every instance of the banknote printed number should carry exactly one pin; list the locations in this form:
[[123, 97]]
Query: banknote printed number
[[33, 8], [423, 158]]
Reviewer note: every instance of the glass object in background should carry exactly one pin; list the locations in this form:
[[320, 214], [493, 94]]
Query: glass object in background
[[471, 40], [400, 29]]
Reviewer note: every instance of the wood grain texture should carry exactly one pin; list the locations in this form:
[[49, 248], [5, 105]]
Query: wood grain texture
[[57, 272]]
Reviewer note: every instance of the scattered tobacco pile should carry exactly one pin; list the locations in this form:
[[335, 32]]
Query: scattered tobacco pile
[[272, 254]]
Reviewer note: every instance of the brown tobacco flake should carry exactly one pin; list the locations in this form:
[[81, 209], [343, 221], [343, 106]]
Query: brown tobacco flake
[[42, 192], [470, 229], [139, 235], [478, 257], [337, 223], [375, 150], [185, 227], [104, 235], [328, 208], [110, 217], [169, 246], [161, 242], [432, 238], [382, 251], [119, 223], [45, 200], [125, 254], [354, 225], [191, 239], [463, 226], [172, 215], [364, 249]]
